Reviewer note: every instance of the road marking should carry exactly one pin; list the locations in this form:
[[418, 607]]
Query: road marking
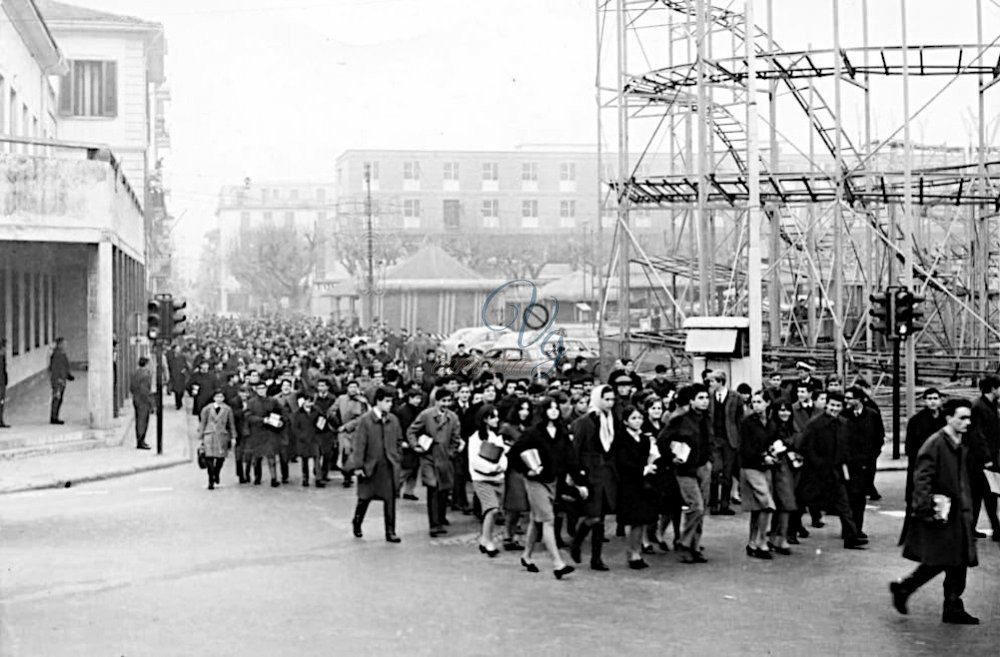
[[156, 489]]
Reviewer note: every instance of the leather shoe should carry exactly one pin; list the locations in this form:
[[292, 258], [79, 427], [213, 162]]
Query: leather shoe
[[637, 564], [438, 531], [4, 425], [899, 597], [142, 446], [793, 541], [512, 546], [408, 496], [960, 617], [599, 566], [561, 572], [392, 538], [56, 422], [863, 535], [356, 525], [855, 545], [530, 566]]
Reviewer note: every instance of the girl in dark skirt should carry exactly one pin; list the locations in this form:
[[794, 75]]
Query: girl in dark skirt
[[636, 507], [756, 438], [515, 500], [783, 478]]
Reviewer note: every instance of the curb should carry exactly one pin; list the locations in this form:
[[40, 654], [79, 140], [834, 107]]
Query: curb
[[110, 474]]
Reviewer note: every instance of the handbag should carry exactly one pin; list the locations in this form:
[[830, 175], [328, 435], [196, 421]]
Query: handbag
[[202, 461], [490, 452]]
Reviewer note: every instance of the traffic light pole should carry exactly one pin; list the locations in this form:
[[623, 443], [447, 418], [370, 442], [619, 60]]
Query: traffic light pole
[[158, 353], [896, 388]]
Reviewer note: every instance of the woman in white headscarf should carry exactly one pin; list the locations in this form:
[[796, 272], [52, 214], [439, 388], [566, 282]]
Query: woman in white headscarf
[[593, 444]]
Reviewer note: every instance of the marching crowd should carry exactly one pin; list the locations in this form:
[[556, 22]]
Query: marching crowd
[[551, 459]]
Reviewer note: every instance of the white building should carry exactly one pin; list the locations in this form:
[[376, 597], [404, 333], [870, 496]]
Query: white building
[[72, 235], [305, 208]]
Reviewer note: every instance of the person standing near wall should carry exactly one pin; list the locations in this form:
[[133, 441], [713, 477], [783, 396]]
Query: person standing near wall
[[3, 381], [142, 401], [59, 374]]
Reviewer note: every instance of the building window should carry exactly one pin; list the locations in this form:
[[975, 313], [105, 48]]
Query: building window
[[290, 220], [294, 195], [451, 170], [277, 194], [263, 195], [373, 169], [567, 171], [320, 195], [491, 213], [411, 213], [89, 89], [491, 171], [567, 209], [452, 213], [529, 172], [529, 214], [411, 170], [268, 219]]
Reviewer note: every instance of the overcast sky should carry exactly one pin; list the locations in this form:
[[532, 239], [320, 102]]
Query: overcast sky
[[277, 89]]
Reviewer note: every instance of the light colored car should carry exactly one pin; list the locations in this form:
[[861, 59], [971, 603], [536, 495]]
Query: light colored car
[[473, 337], [518, 363]]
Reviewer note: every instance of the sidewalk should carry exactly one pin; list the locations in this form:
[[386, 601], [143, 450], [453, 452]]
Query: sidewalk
[[114, 455]]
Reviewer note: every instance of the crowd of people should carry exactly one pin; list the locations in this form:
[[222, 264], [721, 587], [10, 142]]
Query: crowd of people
[[549, 460]]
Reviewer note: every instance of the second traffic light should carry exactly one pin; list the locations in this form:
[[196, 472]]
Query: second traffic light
[[177, 318], [908, 313], [155, 315]]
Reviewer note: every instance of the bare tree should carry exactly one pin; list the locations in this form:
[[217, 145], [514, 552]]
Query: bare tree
[[272, 263]]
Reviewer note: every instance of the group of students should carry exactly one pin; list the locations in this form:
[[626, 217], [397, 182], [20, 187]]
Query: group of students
[[547, 461]]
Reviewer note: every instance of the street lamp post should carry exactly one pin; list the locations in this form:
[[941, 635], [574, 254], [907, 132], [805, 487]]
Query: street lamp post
[[369, 238]]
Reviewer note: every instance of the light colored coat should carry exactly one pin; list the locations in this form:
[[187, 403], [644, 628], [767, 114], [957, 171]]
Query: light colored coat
[[436, 469], [216, 429]]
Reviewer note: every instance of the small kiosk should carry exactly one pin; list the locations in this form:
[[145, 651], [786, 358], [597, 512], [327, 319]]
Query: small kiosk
[[721, 344]]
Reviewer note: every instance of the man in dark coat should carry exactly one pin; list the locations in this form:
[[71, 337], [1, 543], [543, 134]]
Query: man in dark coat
[[593, 446], [694, 473], [3, 380], [177, 366], [436, 470], [410, 462], [725, 411], [825, 474], [865, 436], [201, 385], [142, 401], [924, 424], [984, 445], [59, 374], [375, 461], [940, 536]]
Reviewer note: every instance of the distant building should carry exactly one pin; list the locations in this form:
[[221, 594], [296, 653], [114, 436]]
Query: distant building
[[305, 208], [72, 234]]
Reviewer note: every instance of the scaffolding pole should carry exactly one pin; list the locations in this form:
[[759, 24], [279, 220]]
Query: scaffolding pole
[[753, 212]]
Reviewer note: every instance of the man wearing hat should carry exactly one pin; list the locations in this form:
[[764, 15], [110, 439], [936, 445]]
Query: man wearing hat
[[805, 371], [142, 401]]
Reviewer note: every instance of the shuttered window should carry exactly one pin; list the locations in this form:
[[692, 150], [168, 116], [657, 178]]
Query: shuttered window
[[89, 89]]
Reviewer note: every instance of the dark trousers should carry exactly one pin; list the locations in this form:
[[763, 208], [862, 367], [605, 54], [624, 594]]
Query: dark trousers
[[214, 469], [327, 456], [858, 489], [981, 496], [142, 412], [238, 452], [954, 581], [305, 468], [58, 388], [459, 494], [841, 506], [3, 401], [437, 502], [722, 476], [594, 526], [178, 399], [871, 469], [388, 514], [408, 476]]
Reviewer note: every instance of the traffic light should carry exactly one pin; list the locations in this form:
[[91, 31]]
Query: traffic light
[[883, 312], [177, 318], [154, 319], [908, 314]]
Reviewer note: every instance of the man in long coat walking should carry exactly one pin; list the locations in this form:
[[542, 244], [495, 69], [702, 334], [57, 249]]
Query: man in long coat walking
[[375, 461], [436, 470], [940, 536], [142, 401]]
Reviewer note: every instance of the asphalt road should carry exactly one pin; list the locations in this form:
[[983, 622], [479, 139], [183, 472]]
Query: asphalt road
[[154, 564]]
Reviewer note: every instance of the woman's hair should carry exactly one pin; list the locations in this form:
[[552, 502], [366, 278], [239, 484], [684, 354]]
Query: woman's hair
[[649, 401], [513, 415], [484, 412], [544, 405], [778, 406], [629, 410]]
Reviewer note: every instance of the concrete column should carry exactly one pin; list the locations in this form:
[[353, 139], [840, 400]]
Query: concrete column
[[100, 381], [8, 310]]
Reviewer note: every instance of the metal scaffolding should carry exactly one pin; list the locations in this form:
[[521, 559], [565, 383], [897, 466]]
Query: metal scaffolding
[[770, 208]]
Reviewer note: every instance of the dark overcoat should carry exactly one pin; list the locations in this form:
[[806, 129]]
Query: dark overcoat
[[823, 452], [376, 453], [303, 431], [263, 440], [942, 469], [436, 468], [636, 501], [598, 464]]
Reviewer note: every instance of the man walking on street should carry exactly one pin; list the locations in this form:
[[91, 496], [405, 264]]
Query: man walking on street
[[694, 471], [865, 437], [984, 452], [375, 461], [940, 536], [142, 401], [59, 374], [440, 425], [3, 381]]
